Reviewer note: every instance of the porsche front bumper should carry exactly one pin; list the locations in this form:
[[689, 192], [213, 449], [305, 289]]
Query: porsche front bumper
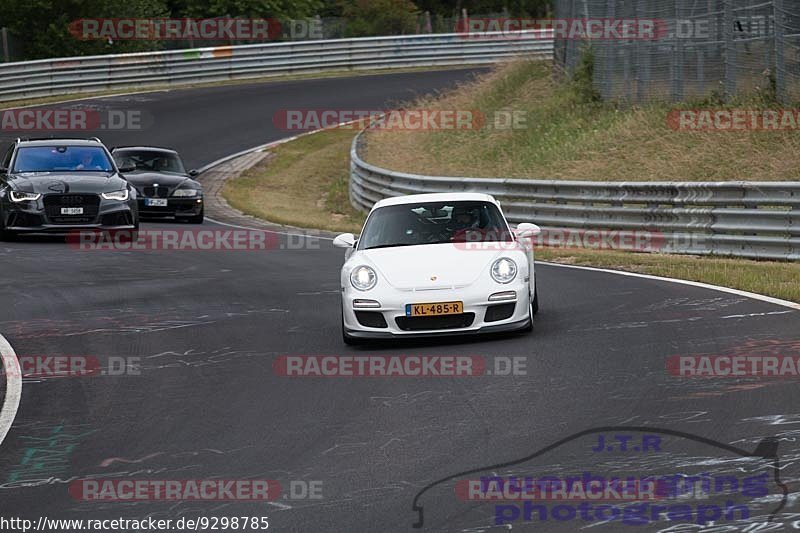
[[386, 315]]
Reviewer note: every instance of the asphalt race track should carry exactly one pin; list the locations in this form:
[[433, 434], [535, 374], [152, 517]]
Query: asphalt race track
[[206, 403]]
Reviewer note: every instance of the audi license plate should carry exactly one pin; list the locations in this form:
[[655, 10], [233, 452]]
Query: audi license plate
[[435, 309], [71, 210]]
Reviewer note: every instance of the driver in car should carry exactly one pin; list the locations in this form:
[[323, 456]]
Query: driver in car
[[161, 165], [464, 219], [88, 163], [464, 223]]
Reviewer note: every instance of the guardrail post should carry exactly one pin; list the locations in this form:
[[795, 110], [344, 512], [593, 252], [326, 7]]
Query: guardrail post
[[780, 58], [608, 48], [6, 54], [730, 50], [677, 60]]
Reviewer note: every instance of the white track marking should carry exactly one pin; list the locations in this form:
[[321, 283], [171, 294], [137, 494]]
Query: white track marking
[[272, 144], [83, 98], [13, 387], [267, 230], [737, 292], [261, 148]]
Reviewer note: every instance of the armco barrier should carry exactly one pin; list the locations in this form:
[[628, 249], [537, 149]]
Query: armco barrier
[[744, 219], [48, 77]]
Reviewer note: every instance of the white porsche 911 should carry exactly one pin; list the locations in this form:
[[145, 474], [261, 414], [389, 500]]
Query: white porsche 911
[[437, 264]]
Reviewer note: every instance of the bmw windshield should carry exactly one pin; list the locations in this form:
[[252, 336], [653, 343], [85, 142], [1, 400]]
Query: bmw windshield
[[150, 161], [433, 223]]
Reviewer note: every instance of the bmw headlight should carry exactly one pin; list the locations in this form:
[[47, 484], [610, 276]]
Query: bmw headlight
[[504, 270], [121, 196], [363, 278], [17, 196], [186, 193]]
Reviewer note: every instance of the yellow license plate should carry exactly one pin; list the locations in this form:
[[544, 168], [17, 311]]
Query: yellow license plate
[[435, 309]]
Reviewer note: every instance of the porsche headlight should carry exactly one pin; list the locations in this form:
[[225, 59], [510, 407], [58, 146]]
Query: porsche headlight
[[186, 193], [363, 278], [504, 270], [17, 196], [121, 196]]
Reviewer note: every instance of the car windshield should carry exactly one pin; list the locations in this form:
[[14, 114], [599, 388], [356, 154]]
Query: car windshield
[[150, 161], [433, 223], [62, 159]]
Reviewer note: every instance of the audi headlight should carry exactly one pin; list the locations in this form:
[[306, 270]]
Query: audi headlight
[[17, 196], [186, 193], [121, 196], [504, 270], [363, 278]]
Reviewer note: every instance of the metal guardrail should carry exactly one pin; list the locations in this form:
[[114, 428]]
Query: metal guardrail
[[744, 219], [48, 77]]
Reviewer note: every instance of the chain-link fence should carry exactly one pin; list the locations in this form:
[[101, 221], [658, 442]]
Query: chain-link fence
[[699, 48]]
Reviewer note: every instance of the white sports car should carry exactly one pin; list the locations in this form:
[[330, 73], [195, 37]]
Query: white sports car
[[437, 264]]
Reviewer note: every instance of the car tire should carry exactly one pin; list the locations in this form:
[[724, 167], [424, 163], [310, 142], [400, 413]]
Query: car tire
[[135, 232], [347, 339], [5, 235], [533, 308], [198, 219], [529, 326], [126, 236]]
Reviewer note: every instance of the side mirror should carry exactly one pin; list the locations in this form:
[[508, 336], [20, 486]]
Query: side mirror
[[194, 173], [526, 229], [127, 168], [345, 240]]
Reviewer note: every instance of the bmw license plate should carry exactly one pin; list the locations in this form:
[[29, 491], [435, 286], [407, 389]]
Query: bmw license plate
[[435, 309], [155, 202], [71, 210]]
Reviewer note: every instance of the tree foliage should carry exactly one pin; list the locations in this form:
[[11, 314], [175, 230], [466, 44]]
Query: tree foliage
[[41, 27], [280, 9], [379, 17], [514, 8]]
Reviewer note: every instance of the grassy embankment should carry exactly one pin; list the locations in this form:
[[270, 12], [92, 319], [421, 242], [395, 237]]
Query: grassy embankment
[[568, 136]]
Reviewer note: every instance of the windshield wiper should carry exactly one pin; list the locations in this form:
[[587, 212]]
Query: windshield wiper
[[391, 245]]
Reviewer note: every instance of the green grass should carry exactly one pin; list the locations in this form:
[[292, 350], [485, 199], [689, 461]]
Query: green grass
[[304, 184], [568, 135], [770, 278]]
